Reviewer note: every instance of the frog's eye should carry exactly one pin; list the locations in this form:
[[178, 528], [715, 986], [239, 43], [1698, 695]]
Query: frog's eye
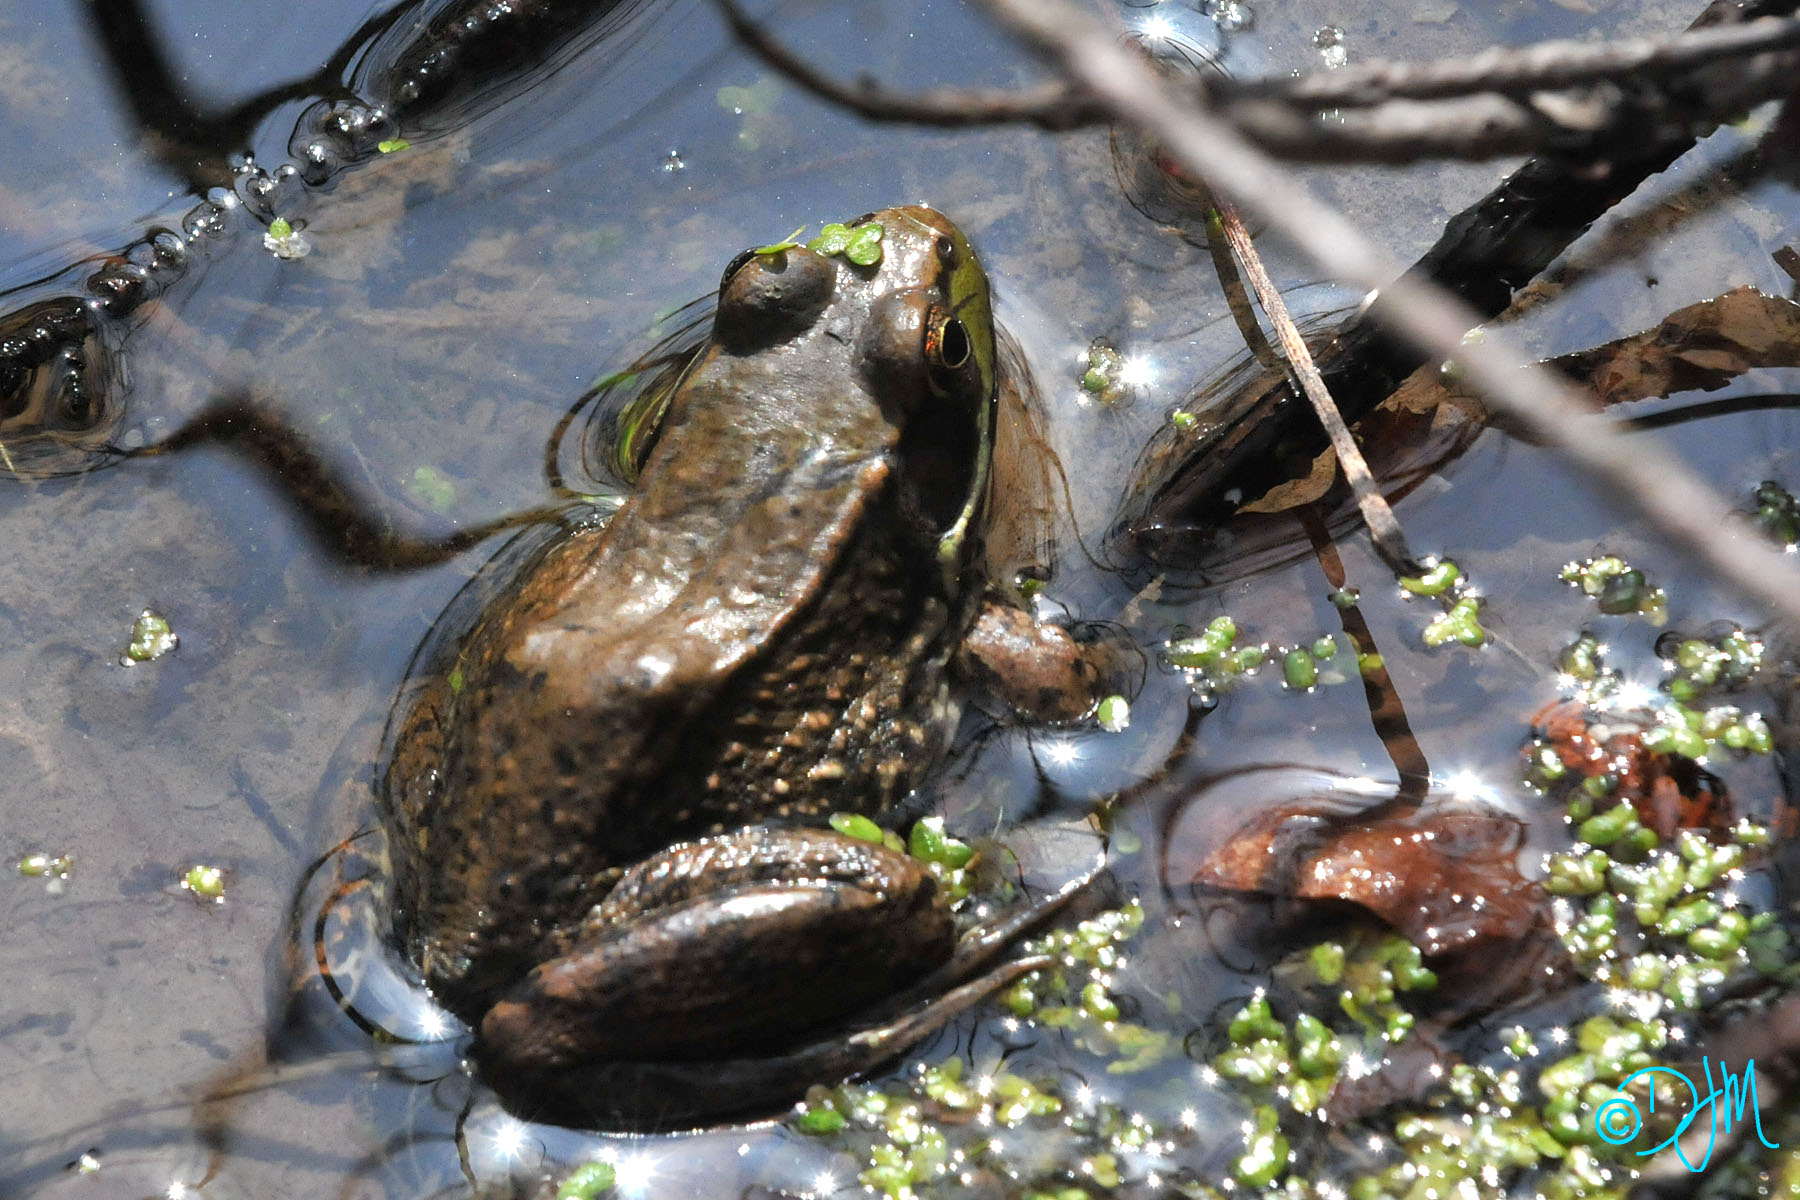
[[947, 344], [948, 349]]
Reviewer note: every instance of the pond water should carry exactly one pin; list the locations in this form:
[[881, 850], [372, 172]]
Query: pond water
[[458, 296]]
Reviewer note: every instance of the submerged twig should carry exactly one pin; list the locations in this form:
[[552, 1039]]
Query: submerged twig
[[1384, 527]]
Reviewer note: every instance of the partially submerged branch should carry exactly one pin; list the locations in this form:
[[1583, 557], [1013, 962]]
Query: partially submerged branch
[[1384, 527]]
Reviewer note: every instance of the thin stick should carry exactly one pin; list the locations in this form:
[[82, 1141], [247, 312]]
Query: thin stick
[[1384, 527]]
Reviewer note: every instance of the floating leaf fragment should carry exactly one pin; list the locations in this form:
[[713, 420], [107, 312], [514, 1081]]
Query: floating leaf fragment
[[151, 638], [787, 243], [587, 1181], [208, 883]]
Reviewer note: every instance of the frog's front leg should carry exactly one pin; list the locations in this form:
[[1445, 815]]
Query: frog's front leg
[[1043, 672]]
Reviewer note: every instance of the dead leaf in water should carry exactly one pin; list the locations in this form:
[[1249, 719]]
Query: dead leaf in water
[[1447, 880]]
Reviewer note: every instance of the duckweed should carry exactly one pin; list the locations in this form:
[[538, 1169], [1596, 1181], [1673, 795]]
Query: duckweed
[[1299, 669], [1461, 624], [929, 842], [1434, 582], [587, 1181], [1655, 925], [1206, 651], [151, 637], [208, 883], [1267, 1154], [855, 825], [861, 245], [284, 241], [1114, 714], [433, 487], [949, 860], [40, 865], [1617, 587], [1777, 514], [1103, 365]]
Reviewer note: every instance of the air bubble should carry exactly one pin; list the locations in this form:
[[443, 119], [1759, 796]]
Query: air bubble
[[1232, 16], [171, 251], [1330, 43]]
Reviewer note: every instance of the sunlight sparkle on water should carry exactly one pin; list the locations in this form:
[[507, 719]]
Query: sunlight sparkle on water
[[509, 1140], [824, 1184], [1063, 752], [1156, 29], [1467, 785], [1137, 371], [633, 1172], [1632, 695], [434, 1025]]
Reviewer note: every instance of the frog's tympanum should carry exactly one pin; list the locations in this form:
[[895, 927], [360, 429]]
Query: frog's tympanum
[[608, 814]]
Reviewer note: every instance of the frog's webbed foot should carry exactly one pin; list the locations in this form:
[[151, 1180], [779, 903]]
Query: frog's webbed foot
[[1043, 672], [721, 978]]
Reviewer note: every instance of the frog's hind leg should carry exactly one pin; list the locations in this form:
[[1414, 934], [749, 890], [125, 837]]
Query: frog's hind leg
[[670, 1096], [597, 1038]]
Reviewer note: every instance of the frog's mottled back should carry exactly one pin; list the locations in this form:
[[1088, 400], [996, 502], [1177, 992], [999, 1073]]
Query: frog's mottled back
[[759, 636]]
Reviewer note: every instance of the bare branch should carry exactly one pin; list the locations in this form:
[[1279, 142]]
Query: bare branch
[[1662, 488], [1495, 124], [1547, 66], [1429, 111]]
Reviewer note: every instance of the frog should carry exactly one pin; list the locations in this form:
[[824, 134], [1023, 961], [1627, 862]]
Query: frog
[[608, 816]]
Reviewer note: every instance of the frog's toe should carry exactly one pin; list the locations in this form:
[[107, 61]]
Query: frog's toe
[[1043, 672]]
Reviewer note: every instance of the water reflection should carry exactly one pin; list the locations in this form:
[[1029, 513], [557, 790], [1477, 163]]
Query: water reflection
[[422, 69]]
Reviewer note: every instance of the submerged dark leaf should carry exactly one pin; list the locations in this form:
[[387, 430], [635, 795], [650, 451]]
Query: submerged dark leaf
[[1448, 880]]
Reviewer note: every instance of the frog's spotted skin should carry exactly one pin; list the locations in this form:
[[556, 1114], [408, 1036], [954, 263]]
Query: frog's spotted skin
[[759, 637]]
